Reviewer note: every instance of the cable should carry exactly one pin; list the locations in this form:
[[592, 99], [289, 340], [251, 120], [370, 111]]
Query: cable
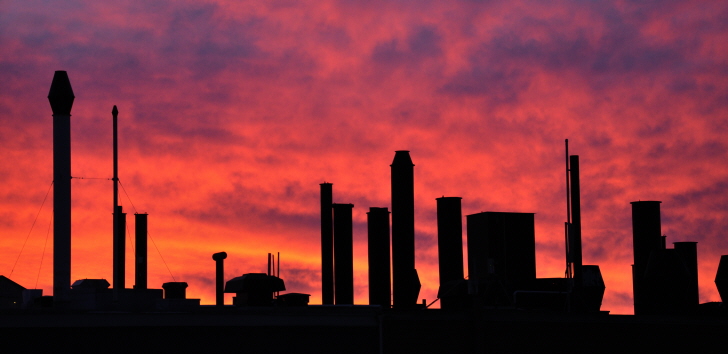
[[160, 256], [148, 234], [31, 229], [108, 179], [43, 254], [130, 239], [127, 196]]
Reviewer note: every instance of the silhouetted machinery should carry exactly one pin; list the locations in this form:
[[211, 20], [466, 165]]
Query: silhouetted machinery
[[502, 259], [254, 289], [665, 281]]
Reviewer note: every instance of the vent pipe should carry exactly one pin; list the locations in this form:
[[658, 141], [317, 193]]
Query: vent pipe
[[343, 255], [380, 291], [61, 99], [140, 270], [219, 259], [119, 250]]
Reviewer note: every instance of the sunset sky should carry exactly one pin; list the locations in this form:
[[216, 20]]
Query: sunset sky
[[232, 112]]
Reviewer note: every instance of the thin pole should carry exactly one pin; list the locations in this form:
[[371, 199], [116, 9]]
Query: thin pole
[[568, 185], [118, 234], [568, 212]]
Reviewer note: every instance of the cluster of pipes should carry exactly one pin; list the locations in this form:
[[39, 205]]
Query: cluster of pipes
[[61, 99], [501, 253], [337, 273]]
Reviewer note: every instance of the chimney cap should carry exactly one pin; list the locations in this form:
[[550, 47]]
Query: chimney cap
[[402, 158], [61, 94]]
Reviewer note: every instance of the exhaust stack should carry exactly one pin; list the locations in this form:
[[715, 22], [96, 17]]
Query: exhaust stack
[[378, 241], [405, 279], [327, 246], [343, 255], [61, 99], [140, 270], [219, 259]]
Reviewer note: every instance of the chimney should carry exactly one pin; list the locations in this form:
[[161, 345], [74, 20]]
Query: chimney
[[327, 246], [119, 249], [405, 290], [61, 99], [379, 271], [575, 237], [219, 259], [449, 240], [645, 240], [343, 255], [140, 232]]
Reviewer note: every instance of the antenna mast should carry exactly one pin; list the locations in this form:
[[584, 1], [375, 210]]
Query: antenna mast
[[567, 225]]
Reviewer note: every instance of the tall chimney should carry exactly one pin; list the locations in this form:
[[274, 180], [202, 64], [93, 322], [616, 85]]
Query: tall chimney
[[380, 290], [575, 237], [343, 255], [646, 232], [405, 280], [219, 259], [61, 100], [140, 270], [450, 239], [327, 246]]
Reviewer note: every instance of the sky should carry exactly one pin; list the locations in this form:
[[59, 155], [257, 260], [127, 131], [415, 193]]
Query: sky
[[231, 113]]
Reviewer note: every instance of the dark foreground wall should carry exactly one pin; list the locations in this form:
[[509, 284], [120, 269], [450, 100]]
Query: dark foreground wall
[[325, 331]]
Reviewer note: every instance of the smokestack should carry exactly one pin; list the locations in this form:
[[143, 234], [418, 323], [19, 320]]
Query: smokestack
[[405, 290], [575, 237], [688, 251], [61, 99], [119, 249], [450, 239], [140, 232], [645, 240], [327, 246], [343, 255], [219, 259], [378, 243]]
